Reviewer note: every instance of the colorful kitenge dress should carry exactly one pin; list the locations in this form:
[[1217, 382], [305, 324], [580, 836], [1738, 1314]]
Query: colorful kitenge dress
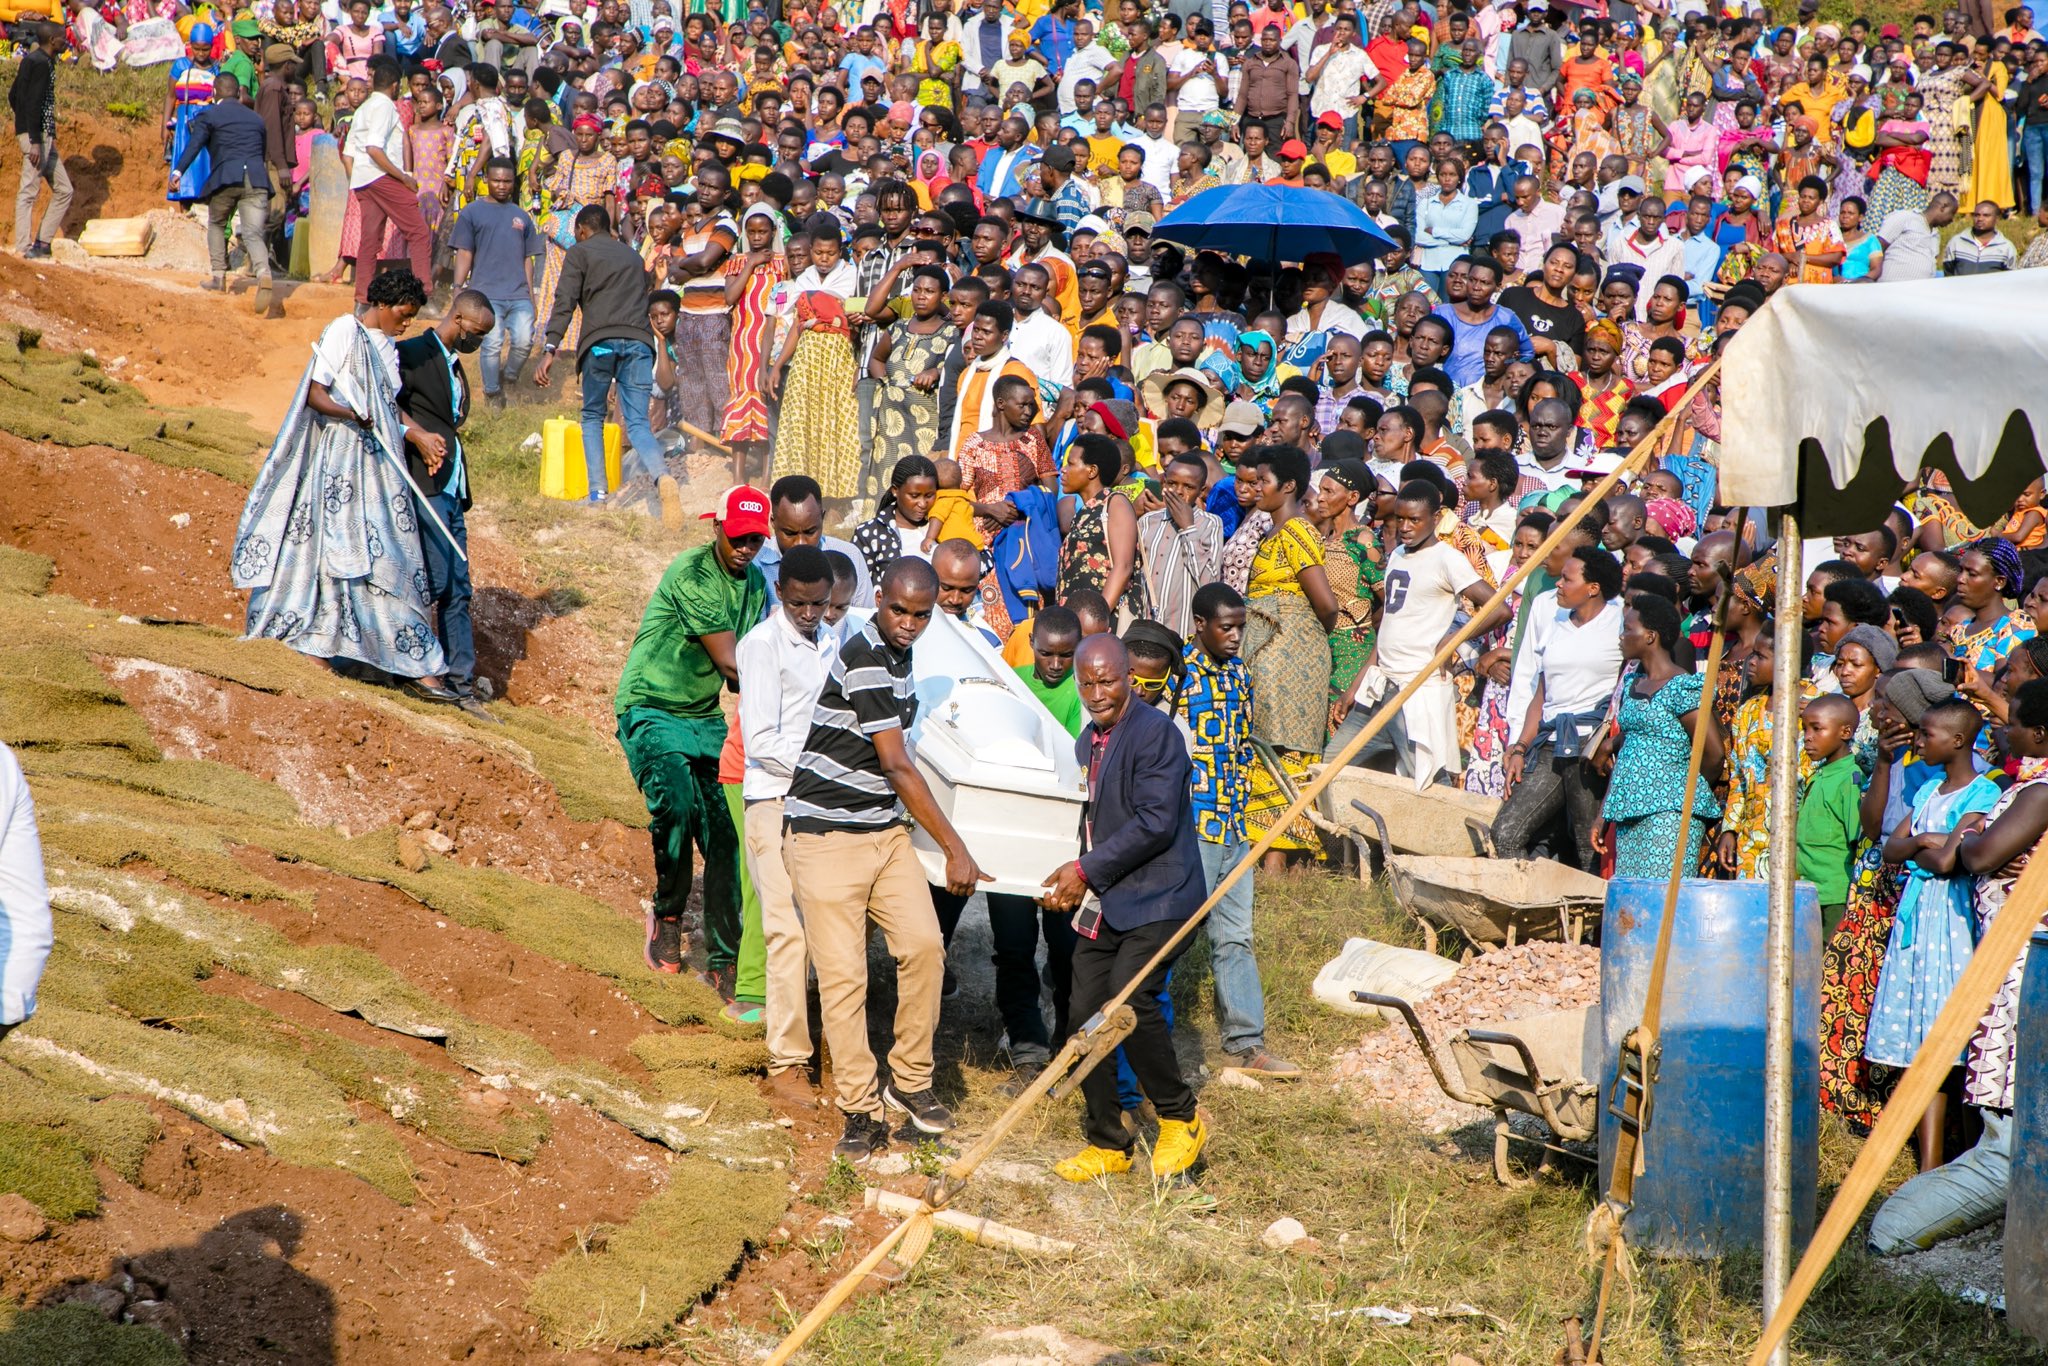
[[746, 411], [1288, 653], [818, 433], [1493, 730], [991, 471], [1933, 932], [578, 181], [1356, 568], [1648, 786], [908, 416], [1600, 413], [191, 91], [1793, 237], [1085, 559], [1988, 1061]]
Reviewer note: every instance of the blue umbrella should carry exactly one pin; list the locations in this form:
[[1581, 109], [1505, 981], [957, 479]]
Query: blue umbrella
[[1274, 223]]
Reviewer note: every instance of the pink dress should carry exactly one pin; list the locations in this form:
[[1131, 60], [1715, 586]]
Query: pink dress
[[1692, 144]]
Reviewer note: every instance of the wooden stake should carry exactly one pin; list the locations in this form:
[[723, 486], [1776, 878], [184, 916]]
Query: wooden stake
[[986, 1232]]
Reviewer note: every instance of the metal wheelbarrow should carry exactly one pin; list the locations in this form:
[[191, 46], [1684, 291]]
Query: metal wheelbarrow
[[1492, 902], [1542, 1066], [1438, 821]]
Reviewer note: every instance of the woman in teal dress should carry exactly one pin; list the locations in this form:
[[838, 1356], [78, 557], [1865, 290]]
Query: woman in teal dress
[[1659, 704]]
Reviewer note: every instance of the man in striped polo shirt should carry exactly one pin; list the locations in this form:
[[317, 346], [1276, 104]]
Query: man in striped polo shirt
[[846, 846]]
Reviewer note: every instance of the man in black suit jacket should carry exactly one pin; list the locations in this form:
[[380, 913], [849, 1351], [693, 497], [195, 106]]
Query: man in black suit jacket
[[238, 188], [1144, 869], [434, 394]]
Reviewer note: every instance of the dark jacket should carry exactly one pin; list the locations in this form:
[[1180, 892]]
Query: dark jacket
[[1144, 865], [428, 395], [233, 132], [607, 280], [33, 96]]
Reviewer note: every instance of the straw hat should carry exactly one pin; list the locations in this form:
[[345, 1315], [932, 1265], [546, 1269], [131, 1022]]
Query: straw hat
[[1157, 383]]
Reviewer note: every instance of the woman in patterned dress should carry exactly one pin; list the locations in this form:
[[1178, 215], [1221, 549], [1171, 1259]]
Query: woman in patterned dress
[[1290, 611], [1998, 854], [1003, 458], [1990, 575], [1651, 745], [1354, 564], [750, 280], [587, 175], [1099, 530], [812, 375], [1605, 389], [909, 359], [1939, 90], [191, 90]]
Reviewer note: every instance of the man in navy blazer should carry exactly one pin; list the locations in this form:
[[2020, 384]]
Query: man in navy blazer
[[238, 187], [1137, 881]]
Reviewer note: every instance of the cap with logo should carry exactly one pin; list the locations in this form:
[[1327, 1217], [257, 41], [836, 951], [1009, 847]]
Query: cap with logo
[[742, 511]]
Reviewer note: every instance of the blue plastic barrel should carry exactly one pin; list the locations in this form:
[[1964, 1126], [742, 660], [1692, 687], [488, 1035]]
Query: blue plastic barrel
[[1701, 1192], [2026, 1199]]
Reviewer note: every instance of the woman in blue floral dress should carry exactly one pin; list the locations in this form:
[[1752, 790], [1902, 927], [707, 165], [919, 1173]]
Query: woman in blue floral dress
[[1651, 744]]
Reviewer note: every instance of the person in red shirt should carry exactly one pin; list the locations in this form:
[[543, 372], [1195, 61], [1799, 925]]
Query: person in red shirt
[[1586, 70], [1293, 153]]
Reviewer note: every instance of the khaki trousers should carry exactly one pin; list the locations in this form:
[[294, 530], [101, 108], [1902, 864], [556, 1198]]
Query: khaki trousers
[[789, 960], [839, 882]]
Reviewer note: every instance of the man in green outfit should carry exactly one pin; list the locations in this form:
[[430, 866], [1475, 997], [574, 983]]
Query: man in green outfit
[[1055, 635], [671, 727]]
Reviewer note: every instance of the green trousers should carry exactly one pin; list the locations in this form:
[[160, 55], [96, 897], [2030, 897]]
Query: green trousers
[[674, 760], [751, 982]]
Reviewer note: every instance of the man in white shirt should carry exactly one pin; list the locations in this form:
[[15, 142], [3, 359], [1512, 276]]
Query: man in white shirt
[[1162, 153], [1196, 77], [1563, 675], [1652, 248], [1426, 581], [1038, 339], [1089, 61], [378, 181], [782, 667], [796, 514], [1341, 77]]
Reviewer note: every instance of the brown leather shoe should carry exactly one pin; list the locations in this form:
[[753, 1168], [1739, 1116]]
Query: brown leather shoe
[[791, 1089]]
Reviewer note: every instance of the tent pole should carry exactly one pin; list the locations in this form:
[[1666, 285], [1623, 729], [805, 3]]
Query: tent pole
[[1778, 954]]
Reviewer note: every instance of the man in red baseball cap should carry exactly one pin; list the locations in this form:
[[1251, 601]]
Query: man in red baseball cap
[[671, 727]]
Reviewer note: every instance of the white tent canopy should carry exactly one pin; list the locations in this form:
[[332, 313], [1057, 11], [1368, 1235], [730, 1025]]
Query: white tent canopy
[[1833, 396]]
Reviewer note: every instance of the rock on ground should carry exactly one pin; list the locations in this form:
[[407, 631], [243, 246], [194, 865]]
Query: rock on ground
[[1039, 1345], [20, 1221]]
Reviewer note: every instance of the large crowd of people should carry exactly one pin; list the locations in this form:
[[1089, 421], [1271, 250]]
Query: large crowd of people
[[902, 263]]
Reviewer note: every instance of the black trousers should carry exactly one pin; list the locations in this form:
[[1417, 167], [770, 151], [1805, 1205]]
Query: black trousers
[[1101, 968], [1015, 923], [1549, 785]]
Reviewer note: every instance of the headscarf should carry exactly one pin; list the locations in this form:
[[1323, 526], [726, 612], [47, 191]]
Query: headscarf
[[587, 121], [1269, 384], [1753, 185], [764, 210], [1672, 516], [1605, 327], [1757, 583], [2012, 575]]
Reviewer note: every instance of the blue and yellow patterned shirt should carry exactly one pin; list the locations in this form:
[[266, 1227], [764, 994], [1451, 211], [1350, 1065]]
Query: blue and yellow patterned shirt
[[1217, 705]]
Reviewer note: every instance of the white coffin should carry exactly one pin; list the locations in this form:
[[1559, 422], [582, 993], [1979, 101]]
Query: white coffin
[[999, 765]]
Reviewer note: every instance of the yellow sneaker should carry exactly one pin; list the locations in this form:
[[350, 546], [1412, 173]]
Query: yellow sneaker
[[1179, 1146], [1091, 1162]]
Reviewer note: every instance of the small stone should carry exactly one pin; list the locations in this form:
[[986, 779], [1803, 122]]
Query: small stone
[[1239, 1080], [437, 841], [181, 520], [420, 819], [412, 854], [1283, 1233], [20, 1221]]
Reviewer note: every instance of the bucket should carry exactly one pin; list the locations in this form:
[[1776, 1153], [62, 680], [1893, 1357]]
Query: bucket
[[562, 471], [2026, 1200], [1701, 1192]]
